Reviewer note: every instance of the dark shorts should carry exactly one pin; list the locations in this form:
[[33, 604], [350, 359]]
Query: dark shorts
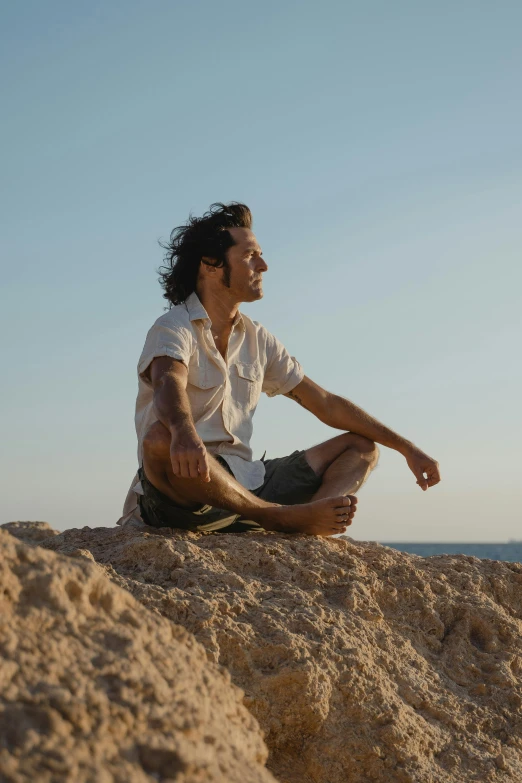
[[288, 480]]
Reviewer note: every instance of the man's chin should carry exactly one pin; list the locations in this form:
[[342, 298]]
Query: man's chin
[[255, 294]]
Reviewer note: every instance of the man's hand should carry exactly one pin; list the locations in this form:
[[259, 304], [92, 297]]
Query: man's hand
[[188, 455], [424, 468]]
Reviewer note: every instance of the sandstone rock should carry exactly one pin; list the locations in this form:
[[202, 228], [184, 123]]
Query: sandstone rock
[[95, 688], [30, 532], [362, 664]]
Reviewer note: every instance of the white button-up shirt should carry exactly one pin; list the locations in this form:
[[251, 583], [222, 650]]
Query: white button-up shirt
[[223, 393]]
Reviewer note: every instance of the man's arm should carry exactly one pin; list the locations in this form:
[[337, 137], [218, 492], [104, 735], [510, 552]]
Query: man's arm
[[342, 414], [188, 454]]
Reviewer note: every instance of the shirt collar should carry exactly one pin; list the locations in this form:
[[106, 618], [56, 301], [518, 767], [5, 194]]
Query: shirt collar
[[194, 307], [196, 311]]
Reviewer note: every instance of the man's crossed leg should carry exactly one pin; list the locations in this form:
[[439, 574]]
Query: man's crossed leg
[[338, 467]]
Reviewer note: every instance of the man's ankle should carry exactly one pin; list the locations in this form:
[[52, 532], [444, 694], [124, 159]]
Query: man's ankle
[[266, 518]]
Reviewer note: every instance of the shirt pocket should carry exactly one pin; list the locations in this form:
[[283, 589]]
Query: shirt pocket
[[204, 383], [204, 375], [248, 382]]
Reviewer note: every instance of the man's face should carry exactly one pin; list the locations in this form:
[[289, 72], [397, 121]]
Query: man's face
[[246, 266]]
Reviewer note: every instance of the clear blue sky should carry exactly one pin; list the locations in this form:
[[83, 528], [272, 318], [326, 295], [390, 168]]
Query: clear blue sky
[[379, 146]]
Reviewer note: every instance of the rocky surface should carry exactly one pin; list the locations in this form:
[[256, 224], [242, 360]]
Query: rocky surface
[[30, 532], [361, 664], [95, 688]]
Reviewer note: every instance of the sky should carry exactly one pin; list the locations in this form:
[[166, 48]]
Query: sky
[[379, 147]]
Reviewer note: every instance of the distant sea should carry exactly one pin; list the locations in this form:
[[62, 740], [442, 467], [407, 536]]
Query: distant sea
[[511, 551]]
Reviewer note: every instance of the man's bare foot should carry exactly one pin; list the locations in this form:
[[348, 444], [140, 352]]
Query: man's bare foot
[[327, 517]]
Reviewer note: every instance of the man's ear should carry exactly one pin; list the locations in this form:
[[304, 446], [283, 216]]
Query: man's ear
[[209, 264]]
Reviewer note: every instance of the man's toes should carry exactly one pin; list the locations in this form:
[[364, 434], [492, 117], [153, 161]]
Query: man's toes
[[341, 502]]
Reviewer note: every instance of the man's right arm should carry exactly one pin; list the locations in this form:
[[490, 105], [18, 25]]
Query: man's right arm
[[188, 454]]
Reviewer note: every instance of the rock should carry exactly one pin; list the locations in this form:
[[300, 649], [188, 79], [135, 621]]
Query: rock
[[500, 761], [97, 688], [361, 663], [30, 532]]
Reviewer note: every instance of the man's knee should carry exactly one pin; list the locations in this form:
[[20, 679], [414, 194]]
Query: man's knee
[[366, 447], [156, 442]]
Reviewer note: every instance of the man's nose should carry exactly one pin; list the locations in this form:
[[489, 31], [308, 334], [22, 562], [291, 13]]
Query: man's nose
[[263, 266]]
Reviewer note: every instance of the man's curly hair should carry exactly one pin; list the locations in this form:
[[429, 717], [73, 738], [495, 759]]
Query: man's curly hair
[[205, 236]]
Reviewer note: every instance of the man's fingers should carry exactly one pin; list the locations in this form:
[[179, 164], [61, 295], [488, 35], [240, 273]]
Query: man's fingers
[[428, 477], [422, 481], [190, 463], [433, 475], [424, 468], [193, 467], [204, 470], [184, 470]]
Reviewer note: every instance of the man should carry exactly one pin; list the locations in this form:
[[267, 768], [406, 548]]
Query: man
[[201, 373]]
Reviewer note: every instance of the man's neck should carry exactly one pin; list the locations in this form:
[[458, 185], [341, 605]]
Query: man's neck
[[221, 311]]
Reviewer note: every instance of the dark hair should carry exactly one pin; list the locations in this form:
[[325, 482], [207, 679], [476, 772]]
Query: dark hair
[[204, 236]]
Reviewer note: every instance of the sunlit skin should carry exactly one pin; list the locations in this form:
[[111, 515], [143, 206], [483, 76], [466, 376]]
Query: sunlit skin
[[221, 302], [178, 464]]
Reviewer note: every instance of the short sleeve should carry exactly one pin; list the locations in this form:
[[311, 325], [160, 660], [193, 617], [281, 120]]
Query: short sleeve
[[283, 372], [161, 340]]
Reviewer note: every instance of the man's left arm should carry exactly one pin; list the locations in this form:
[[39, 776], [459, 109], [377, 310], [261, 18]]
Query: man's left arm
[[342, 414]]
